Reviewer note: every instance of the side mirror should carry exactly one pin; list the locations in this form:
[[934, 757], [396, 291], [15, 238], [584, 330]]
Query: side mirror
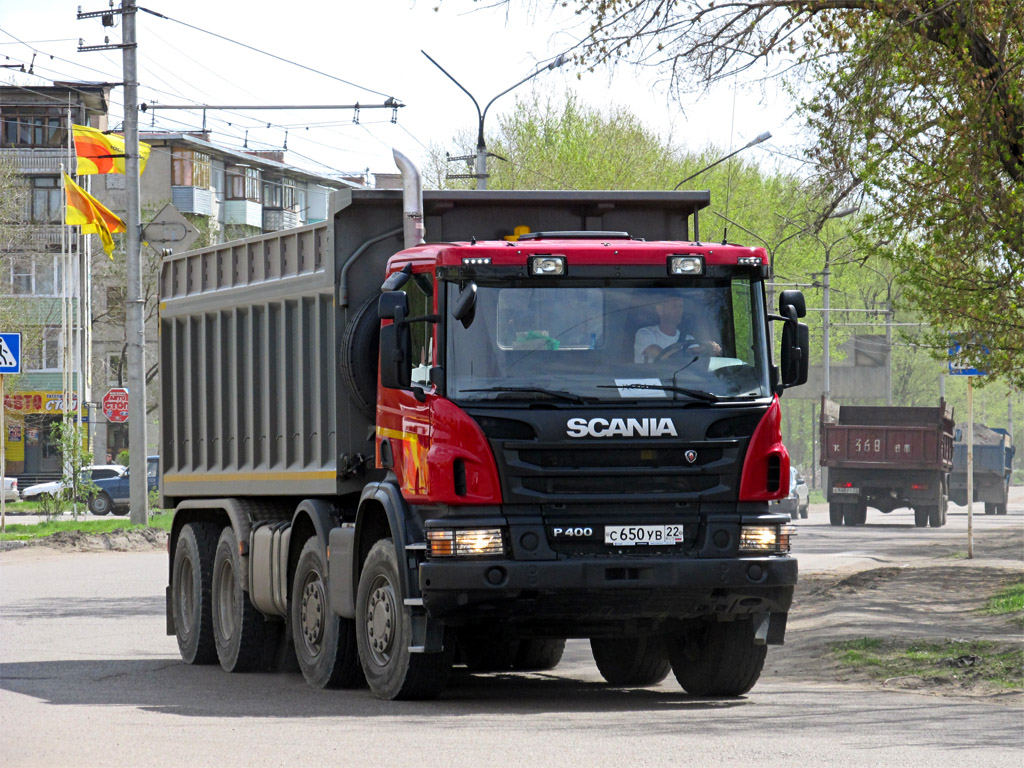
[[795, 351], [395, 354], [393, 305], [794, 299], [464, 309]]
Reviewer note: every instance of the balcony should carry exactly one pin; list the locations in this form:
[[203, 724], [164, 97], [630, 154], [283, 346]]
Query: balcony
[[243, 212], [193, 200], [275, 219], [42, 161]]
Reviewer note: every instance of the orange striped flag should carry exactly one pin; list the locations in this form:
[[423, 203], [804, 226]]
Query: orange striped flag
[[88, 212], [100, 152]]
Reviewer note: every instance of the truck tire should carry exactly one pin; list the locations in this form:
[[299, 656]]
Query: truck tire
[[536, 655], [991, 509], [325, 645], [384, 633], [836, 513], [717, 658], [239, 630], [101, 504], [191, 577], [360, 350], [921, 517], [631, 660], [1001, 508], [935, 517]]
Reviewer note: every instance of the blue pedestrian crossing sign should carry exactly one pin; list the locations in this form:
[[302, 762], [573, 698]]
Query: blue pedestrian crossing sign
[[956, 365], [10, 353]]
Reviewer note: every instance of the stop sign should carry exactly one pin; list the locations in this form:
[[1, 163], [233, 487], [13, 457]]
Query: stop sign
[[115, 404]]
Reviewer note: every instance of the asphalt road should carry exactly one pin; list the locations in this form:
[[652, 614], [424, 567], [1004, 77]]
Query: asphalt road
[[88, 677]]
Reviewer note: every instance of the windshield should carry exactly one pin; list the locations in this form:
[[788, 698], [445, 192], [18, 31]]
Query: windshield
[[608, 341]]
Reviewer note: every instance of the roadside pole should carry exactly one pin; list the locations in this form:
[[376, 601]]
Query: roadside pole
[[970, 467], [10, 362]]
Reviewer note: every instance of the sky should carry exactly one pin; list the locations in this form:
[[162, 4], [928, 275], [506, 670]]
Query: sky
[[375, 47]]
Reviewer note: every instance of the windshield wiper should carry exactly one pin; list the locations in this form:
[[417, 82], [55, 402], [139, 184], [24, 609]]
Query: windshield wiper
[[696, 394], [556, 393]]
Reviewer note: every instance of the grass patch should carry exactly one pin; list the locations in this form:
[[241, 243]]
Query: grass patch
[[22, 532], [816, 496], [956, 662], [1009, 599]]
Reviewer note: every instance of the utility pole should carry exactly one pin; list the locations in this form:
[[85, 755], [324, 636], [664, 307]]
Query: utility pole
[[134, 311]]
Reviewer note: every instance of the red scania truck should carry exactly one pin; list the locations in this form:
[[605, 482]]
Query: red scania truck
[[385, 462]]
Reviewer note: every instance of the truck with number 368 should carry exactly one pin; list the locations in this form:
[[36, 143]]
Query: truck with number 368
[[388, 457]]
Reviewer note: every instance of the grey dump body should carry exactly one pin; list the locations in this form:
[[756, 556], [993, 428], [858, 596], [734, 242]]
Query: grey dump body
[[257, 386], [993, 458], [886, 457]]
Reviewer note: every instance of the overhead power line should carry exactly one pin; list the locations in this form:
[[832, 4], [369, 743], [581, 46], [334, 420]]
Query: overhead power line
[[266, 53]]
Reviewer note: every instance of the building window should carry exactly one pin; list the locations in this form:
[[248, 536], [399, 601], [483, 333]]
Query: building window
[[244, 183], [45, 203], [33, 130], [45, 356], [289, 198], [115, 303], [272, 194], [32, 275], [190, 168], [115, 370]]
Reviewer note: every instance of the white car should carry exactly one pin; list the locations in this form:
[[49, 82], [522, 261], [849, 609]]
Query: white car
[[796, 504], [11, 489], [96, 472]]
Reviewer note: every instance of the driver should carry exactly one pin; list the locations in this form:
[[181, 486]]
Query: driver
[[652, 340]]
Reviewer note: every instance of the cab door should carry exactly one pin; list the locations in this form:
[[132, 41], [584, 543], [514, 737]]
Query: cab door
[[404, 421]]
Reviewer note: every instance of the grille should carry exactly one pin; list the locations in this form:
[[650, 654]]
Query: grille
[[617, 485], [623, 458]]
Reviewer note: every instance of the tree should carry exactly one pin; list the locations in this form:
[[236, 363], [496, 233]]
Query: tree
[[918, 107]]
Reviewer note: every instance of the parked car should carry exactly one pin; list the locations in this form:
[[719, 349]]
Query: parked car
[[113, 494], [94, 473], [796, 504], [11, 489]]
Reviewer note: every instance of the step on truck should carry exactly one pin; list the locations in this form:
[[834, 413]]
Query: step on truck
[[886, 457], [387, 461], [993, 458]]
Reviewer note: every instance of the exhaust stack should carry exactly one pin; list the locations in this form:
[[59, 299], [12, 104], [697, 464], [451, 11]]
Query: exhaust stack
[[412, 200]]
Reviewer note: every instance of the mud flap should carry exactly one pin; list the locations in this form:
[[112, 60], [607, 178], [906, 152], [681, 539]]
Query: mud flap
[[171, 628]]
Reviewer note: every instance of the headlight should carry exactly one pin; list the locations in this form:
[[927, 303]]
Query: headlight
[[685, 265], [547, 265], [766, 539], [465, 542]]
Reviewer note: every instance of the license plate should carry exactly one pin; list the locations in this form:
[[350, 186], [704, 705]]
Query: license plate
[[846, 490], [643, 535]]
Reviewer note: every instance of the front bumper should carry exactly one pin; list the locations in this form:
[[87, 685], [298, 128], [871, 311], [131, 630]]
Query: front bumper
[[584, 591]]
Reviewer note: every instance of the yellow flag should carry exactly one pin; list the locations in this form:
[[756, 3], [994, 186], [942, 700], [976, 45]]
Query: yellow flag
[[88, 212], [100, 152]]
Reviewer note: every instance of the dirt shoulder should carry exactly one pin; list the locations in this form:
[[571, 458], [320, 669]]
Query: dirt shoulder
[[931, 596], [136, 540]]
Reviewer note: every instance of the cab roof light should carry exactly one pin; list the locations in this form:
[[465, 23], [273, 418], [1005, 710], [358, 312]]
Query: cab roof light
[[476, 260], [749, 261], [548, 266], [685, 265]]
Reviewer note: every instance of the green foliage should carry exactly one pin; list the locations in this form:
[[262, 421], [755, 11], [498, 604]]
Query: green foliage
[[942, 661], [122, 457], [917, 110], [22, 532], [1010, 599], [68, 436]]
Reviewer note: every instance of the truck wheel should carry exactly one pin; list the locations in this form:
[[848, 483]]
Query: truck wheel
[[803, 512], [239, 630], [935, 517], [325, 644], [631, 660], [100, 504], [1001, 508], [717, 658], [836, 512], [537, 655], [191, 577], [921, 517], [862, 514], [852, 515], [991, 509], [384, 633]]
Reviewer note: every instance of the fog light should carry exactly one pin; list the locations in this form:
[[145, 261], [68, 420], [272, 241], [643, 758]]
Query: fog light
[[465, 542], [686, 265], [547, 265], [766, 539]]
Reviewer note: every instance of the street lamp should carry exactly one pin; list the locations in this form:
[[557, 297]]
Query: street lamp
[[752, 143], [481, 146]]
